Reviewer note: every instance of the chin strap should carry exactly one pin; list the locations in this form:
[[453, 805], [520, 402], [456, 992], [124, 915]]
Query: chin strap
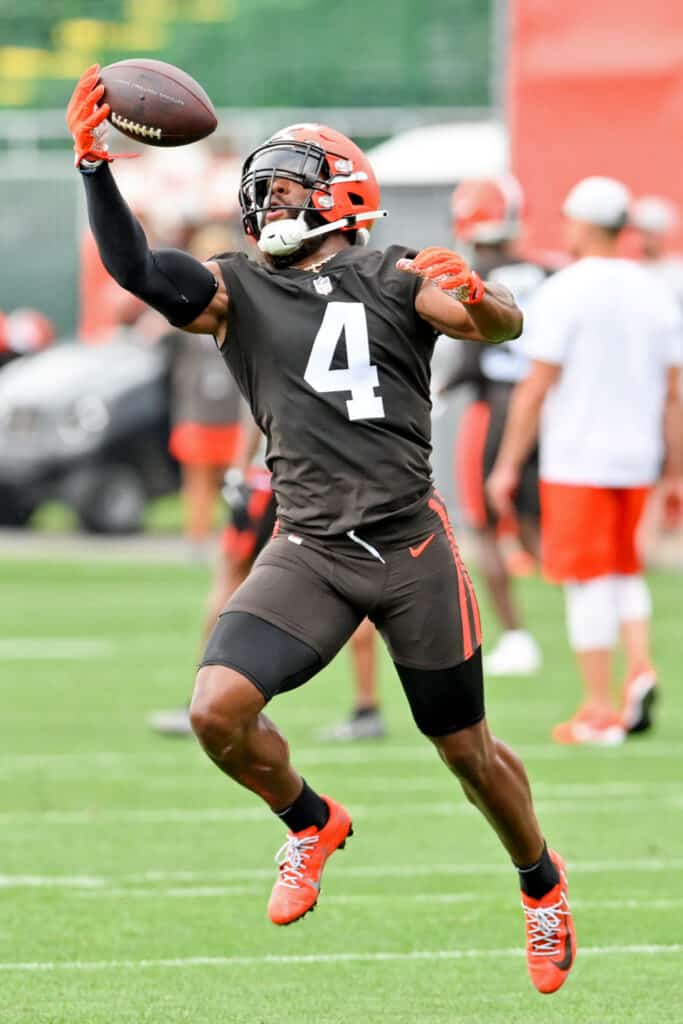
[[282, 237]]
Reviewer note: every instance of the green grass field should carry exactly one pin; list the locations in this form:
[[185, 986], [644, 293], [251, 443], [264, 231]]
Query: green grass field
[[134, 878]]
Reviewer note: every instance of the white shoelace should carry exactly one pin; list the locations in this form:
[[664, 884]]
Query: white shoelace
[[545, 924], [291, 858]]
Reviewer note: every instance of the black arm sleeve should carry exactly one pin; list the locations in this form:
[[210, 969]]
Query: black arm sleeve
[[171, 281]]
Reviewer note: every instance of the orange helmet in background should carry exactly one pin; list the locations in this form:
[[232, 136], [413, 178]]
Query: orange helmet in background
[[4, 346], [486, 211], [27, 330], [338, 174]]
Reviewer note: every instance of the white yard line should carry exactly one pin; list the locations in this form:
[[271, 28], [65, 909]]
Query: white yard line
[[211, 891], [438, 784], [90, 757], [361, 898], [442, 784], [191, 892], [219, 879], [258, 815], [51, 648], [51, 882], [94, 888], [321, 958], [82, 767], [361, 755]]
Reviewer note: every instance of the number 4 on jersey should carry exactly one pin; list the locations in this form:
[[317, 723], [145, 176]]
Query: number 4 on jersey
[[360, 376]]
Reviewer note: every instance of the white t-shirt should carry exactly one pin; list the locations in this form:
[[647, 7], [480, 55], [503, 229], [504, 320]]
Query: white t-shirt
[[670, 272], [615, 330], [508, 362]]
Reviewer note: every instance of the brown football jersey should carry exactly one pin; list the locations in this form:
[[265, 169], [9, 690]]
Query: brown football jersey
[[335, 365]]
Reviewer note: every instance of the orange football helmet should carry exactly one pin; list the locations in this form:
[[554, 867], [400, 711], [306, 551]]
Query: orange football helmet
[[28, 330], [340, 179], [487, 210]]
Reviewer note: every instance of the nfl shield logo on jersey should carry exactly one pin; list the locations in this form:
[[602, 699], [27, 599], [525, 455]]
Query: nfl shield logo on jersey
[[322, 285]]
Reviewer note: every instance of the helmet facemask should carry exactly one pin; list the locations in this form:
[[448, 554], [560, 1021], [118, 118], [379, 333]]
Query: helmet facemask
[[302, 162]]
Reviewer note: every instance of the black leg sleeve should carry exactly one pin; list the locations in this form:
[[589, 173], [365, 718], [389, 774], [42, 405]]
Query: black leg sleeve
[[171, 281]]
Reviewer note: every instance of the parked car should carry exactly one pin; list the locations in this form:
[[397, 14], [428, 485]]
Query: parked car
[[87, 426]]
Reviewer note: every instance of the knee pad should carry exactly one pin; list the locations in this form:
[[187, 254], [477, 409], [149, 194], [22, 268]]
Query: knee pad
[[592, 615], [634, 602], [445, 700]]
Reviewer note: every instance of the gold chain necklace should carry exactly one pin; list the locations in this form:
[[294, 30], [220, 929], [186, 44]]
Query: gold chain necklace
[[315, 267]]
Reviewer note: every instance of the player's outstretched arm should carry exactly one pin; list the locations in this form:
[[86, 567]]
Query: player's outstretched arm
[[190, 294], [456, 302]]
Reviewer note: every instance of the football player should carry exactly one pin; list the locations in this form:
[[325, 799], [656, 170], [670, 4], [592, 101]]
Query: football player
[[487, 219], [655, 220], [330, 343], [603, 396]]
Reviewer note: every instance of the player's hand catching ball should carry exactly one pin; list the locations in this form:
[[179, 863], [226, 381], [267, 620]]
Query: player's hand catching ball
[[86, 118], [448, 270]]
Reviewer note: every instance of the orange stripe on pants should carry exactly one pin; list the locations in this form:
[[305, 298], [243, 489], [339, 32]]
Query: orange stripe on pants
[[461, 565], [464, 583]]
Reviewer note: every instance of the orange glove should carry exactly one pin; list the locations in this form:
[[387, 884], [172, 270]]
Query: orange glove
[[449, 271], [84, 117]]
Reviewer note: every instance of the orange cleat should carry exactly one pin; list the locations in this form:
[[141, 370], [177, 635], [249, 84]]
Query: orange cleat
[[301, 861], [603, 729], [640, 693], [550, 937]]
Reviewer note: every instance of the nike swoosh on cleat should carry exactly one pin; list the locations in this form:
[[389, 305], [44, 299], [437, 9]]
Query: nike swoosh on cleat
[[565, 963], [416, 552]]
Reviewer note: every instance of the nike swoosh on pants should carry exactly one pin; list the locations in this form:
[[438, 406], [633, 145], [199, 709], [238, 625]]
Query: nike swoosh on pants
[[416, 552]]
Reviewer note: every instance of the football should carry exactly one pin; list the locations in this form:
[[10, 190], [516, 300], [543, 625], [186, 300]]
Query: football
[[156, 103]]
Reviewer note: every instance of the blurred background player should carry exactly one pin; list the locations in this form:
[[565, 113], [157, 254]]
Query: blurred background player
[[365, 722], [605, 342], [487, 218], [655, 220], [104, 306], [252, 515], [205, 412], [251, 503]]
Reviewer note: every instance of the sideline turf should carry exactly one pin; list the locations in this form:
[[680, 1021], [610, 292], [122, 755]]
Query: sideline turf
[[159, 859]]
